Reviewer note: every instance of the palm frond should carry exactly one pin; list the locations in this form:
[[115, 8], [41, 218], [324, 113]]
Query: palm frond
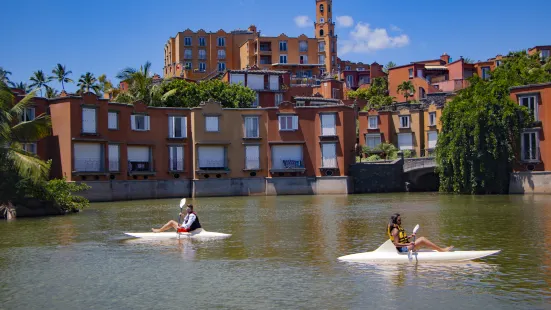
[[32, 131], [19, 108], [27, 164]]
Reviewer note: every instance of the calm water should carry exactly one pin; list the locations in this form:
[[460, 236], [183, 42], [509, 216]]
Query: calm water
[[283, 254]]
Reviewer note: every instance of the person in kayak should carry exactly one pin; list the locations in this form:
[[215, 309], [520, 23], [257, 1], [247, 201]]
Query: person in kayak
[[398, 236], [191, 222]]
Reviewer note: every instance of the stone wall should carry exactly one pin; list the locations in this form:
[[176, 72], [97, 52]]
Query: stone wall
[[134, 190], [308, 186], [228, 187], [378, 177], [530, 182]]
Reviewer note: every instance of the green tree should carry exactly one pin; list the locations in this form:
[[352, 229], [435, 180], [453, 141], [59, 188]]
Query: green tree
[[39, 80], [376, 95], [389, 65], [13, 133], [22, 86], [481, 128], [4, 77], [62, 75], [88, 82], [51, 93], [407, 89], [140, 84], [468, 60]]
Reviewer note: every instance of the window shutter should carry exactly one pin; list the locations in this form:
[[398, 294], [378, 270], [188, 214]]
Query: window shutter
[[171, 165], [279, 122], [171, 126], [146, 122], [133, 122], [180, 158], [295, 122], [183, 121]]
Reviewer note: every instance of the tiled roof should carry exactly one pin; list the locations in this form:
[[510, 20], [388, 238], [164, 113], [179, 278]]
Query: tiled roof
[[438, 99]]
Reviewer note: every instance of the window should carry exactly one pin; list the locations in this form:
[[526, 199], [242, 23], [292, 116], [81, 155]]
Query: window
[[236, 78], [498, 63], [322, 20], [274, 82], [28, 115], [433, 138], [420, 73], [221, 41], [372, 140], [287, 157], [202, 54], [530, 146], [202, 41], [404, 121], [255, 81], [278, 99], [252, 157], [328, 124], [321, 32], [288, 122], [256, 101], [283, 46], [544, 54], [485, 73], [139, 122], [188, 54], [202, 67], [187, 41], [29, 147], [373, 122], [432, 118], [282, 59], [422, 93], [303, 59], [176, 158], [221, 54], [177, 126], [329, 155], [211, 123], [321, 8], [321, 46], [221, 66], [211, 157], [113, 120], [347, 68], [530, 102], [89, 120], [139, 158], [114, 157], [188, 65], [321, 59], [303, 46], [360, 69], [405, 141], [87, 157], [410, 73], [251, 127]]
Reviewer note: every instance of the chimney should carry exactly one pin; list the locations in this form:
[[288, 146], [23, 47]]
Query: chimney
[[445, 57]]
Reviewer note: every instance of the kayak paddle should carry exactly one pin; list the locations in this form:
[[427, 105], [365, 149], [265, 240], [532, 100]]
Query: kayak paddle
[[414, 231], [182, 204]]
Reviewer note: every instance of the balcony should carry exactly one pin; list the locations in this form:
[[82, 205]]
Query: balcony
[[305, 82], [140, 168], [265, 48], [451, 85], [210, 165], [289, 165]]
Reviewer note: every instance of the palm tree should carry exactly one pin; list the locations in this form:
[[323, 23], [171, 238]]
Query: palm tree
[[21, 85], [61, 75], [389, 65], [39, 80], [140, 82], [88, 82], [13, 133], [4, 77], [407, 89], [51, 93]]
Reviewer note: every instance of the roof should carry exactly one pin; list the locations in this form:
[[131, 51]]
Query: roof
[[540, 47], [316, 99], [530, 86], [438, 99], [261, 71]]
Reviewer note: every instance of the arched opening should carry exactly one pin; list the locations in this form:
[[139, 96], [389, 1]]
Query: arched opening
[[428, 182], [422, 93], [321, 32], [321, 8], [329, 8]]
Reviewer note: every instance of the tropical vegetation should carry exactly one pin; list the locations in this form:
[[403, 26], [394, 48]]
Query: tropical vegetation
[[481, 128], [39, 81], [61, 74], [87, 83], [407, 89], [376, 95]]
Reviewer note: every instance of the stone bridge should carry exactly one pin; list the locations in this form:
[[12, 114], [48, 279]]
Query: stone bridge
[[419, 173]]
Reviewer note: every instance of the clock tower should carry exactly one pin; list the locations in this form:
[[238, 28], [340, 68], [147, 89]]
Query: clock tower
[[325, 33]]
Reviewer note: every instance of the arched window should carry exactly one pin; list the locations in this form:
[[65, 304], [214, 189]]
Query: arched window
[[321, 7], [329, 8], [331, 33], [321, 32]]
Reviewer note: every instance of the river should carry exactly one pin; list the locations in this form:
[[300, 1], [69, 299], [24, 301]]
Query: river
[[282, 255]]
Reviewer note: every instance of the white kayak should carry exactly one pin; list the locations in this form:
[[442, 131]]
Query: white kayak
[[196, 234], [387, 253]]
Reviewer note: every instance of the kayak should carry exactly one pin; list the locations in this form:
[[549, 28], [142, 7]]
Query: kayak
[[196, 234], [387, 252]]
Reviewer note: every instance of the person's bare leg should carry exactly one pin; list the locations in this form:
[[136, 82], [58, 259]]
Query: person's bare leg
[[426, 242], [167, 226]]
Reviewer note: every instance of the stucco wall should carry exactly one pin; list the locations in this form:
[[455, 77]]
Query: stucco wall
[[134, 190], [530, 183], [229, 187]]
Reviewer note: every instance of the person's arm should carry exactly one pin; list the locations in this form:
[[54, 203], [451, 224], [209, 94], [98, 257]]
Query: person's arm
[[190, 220], [397, 240]]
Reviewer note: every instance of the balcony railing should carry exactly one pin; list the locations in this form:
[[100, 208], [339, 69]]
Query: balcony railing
[[451, 85], [209, 164], [139, 166], [305, 82]]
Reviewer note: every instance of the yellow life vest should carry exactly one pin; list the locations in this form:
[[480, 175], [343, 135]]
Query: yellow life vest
[[402, 236]]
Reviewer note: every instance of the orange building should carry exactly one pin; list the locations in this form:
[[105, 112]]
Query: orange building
[[269, 85], [543, 50], [483, 68], [357, 75]]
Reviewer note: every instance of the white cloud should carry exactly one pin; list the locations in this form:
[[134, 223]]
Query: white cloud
[[395, 28], [345, 21], [303, 21], [364, 39]]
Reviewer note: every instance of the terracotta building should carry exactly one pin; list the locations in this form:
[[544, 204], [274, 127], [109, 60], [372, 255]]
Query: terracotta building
[[375, 127], [357, 75], [270, 85], [483, 68], [544, 51]]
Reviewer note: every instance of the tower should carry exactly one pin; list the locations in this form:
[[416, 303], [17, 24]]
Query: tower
[[325, 33]]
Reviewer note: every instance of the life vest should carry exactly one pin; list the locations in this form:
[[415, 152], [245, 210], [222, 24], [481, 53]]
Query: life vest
[[195, 223], [402, 236]]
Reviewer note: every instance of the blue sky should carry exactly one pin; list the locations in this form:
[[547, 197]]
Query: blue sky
[[106, 36]]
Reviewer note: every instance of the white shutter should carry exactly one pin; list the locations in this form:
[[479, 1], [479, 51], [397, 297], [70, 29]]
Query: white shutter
[[328, 125], [171, 126], [274, 82], [433, 138], [211, 123], [280, 120], [295, 122], [176, 157], [285, 152], [252, 157], [255, 81], [112, 120], [180, 157], [133, 122], [88, 120], [372, 140], [329, 155], [405, 141], [114, 157], [87, 157], [138, 153], [211, 157], [146, 118], [238, 78]]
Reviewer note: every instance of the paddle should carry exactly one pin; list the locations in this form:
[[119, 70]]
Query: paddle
[[414, 232], [182, 204]]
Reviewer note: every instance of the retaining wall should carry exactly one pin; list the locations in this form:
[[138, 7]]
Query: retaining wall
[[530, 182]]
